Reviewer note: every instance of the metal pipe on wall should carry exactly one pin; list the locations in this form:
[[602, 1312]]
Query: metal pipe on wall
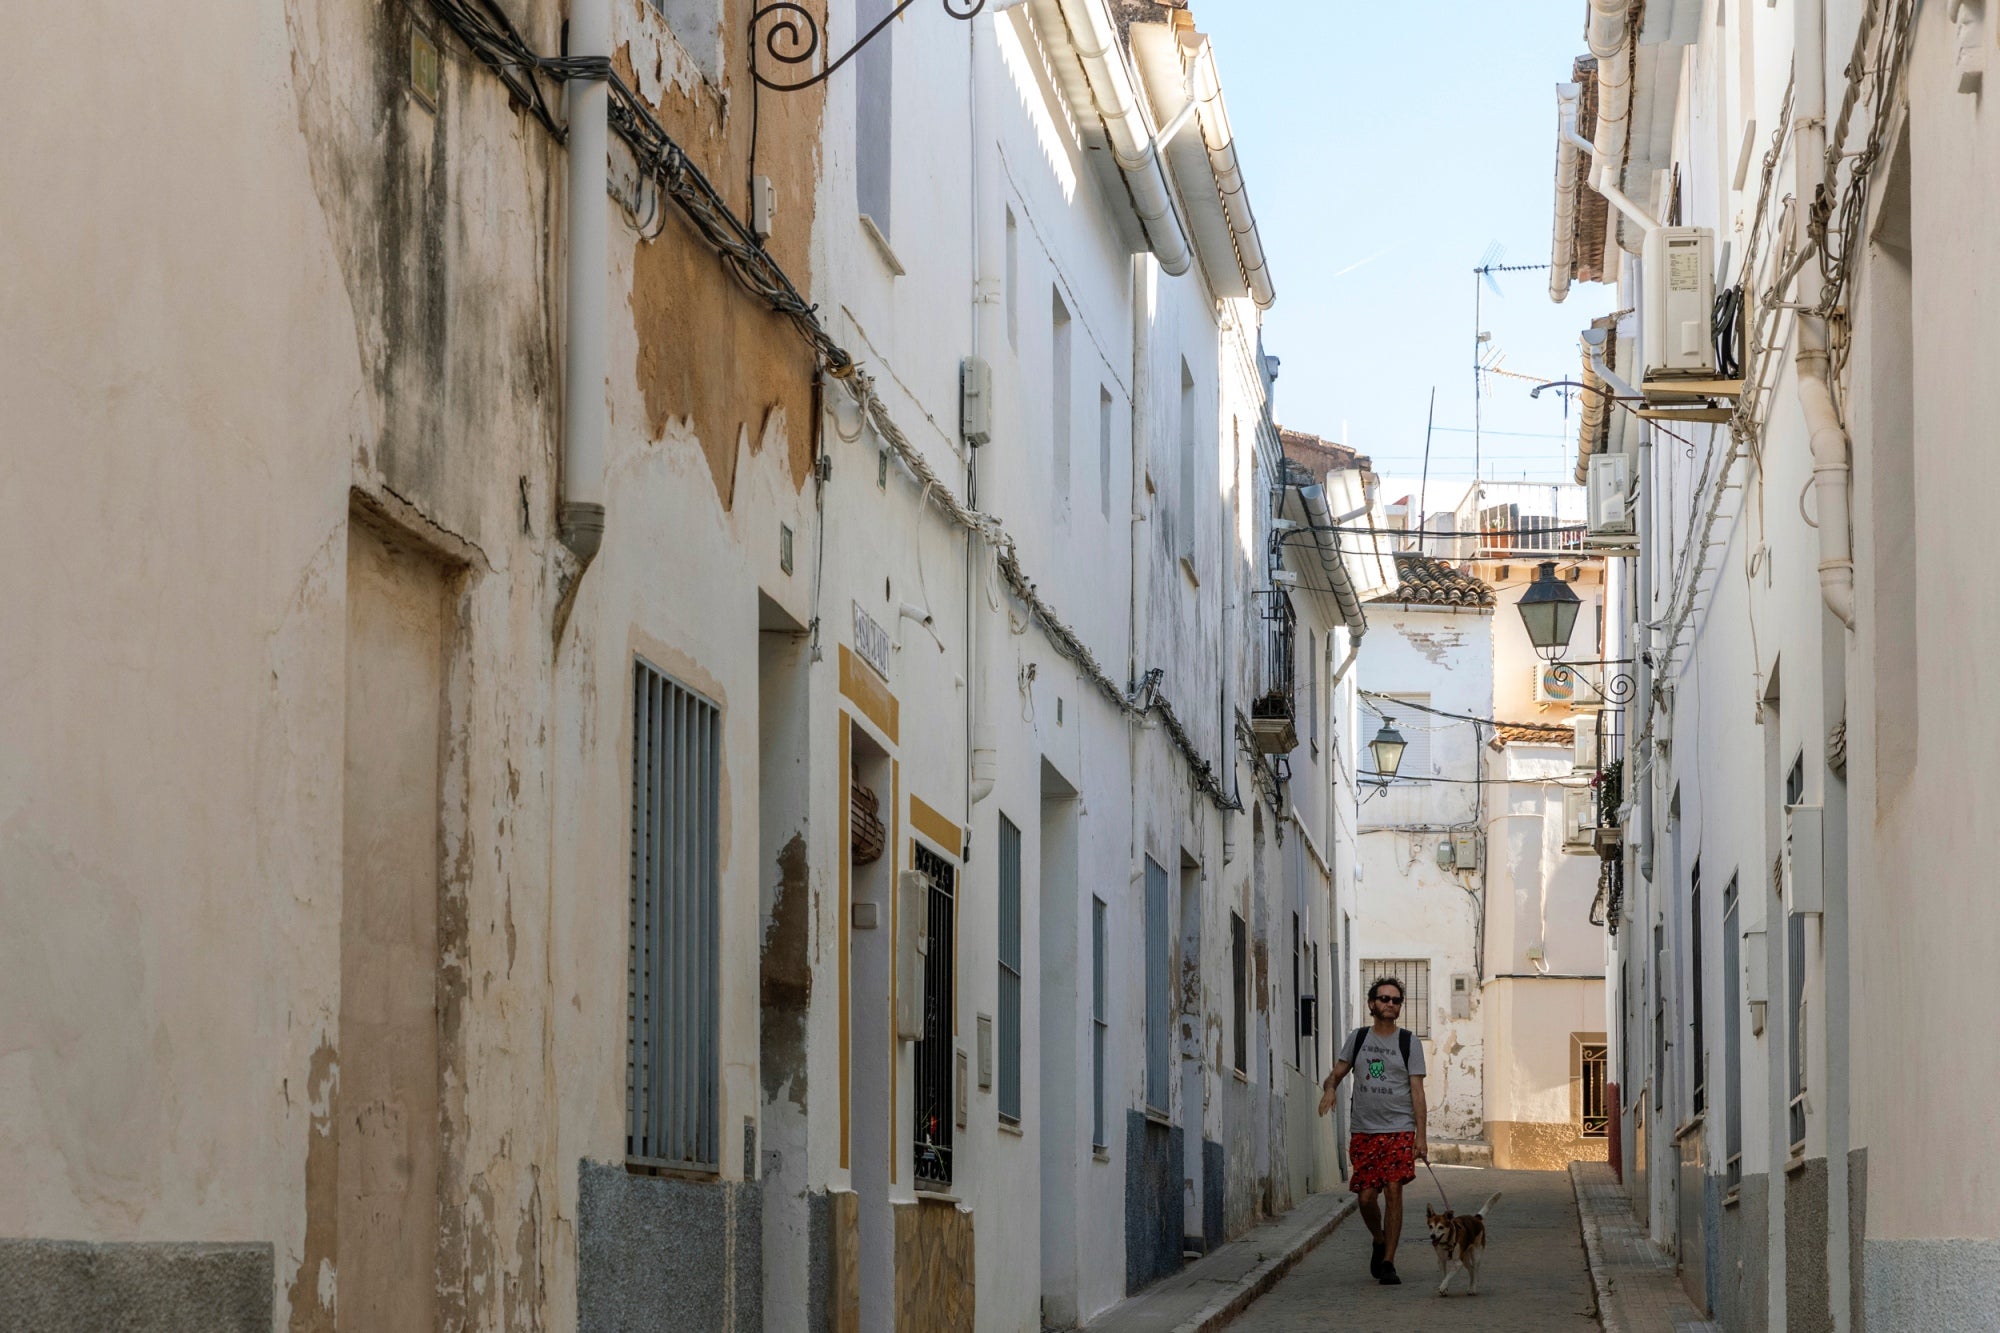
[[585, 413]]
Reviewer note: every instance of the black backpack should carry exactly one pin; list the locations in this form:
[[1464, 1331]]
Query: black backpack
[[1361, 1035]]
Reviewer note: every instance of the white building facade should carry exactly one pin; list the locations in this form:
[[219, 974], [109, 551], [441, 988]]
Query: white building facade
[[814, 811], [1807, 741]]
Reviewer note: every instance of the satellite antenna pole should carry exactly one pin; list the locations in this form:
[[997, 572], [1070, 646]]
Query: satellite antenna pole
[[1424, 486]]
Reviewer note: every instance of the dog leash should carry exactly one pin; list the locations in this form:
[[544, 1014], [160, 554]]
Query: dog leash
[[1440, 1185]]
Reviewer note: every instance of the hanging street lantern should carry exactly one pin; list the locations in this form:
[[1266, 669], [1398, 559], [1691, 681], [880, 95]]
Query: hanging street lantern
[[1549, 610], [1388, 747]]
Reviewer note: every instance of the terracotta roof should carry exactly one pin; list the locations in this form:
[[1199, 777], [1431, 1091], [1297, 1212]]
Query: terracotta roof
[[1592, 212], [1530, 733], [1318, 455], [1423, 580]]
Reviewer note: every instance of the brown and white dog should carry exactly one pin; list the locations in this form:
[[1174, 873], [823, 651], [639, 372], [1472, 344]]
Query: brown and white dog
[[1458, 1240]]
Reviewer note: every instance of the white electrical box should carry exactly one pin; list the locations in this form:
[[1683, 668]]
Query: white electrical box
[[1679, 340], [763, 207], [1465, 849], [1588, 753], [1447, 855], [975, 400], [1609, 484], [1461, 995], [1805, 869]]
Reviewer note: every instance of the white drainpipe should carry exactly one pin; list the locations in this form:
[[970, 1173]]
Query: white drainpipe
[[1099, 51], [585, 416], [1829, 437], [1563, 258], [1217, 137]]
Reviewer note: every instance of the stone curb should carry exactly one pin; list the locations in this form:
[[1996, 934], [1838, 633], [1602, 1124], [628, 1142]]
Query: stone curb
[[1262, 1278], [1593, 1254]]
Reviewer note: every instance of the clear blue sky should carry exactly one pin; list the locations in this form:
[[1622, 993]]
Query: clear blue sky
[[1386, 148]]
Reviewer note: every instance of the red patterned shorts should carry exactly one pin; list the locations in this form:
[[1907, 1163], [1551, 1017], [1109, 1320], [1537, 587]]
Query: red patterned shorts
[[1377, 1160]]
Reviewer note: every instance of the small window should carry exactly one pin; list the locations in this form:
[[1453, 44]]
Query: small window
[[671, 1059], [1013, 282], [1412, 723], [1099, 1024], [1158, 1015], [1189, 472], [1596, 1105], [1415, 974], [1059, 398], [874, 96], [1104, 450], [1010, 971], [1239, 977]]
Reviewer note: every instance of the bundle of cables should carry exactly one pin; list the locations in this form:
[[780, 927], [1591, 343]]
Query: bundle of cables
[[1727, 325]]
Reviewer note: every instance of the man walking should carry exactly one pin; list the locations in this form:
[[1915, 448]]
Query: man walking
[[1387, 1119]]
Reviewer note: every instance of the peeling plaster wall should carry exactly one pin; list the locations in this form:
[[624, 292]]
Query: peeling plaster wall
[[1405, 905], [209, 384]]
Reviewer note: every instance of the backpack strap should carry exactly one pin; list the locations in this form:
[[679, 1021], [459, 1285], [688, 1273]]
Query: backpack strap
[[1403, 1040], [1354, 1047]]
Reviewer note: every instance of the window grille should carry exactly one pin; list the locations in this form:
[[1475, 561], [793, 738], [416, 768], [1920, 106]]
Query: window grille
[[1732, 1042], [1596, 1117], [931, 1142], [1415, 974], [1158, 1018], [1412, 723], [1099, 1023], [1010, 970], [671, 1059], [1239, 969], [1795, 978], [1699, 1051]]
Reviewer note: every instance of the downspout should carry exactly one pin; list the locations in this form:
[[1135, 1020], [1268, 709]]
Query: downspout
[[1562, 258], [1101, 54], [1609, 35], [1642, 769], [585, 414], [982, 743], [1812, 362], [1139, 580]]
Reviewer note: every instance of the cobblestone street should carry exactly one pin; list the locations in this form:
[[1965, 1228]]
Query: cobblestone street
[[1533, 1280]]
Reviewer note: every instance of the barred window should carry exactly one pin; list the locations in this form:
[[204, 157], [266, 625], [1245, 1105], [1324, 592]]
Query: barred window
[[671, 1060], [1596, 1116], [1415, 974], [1010, 970]]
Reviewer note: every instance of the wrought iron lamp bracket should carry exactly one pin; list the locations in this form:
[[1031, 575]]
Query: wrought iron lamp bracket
[[789, 33], [1618, 687]]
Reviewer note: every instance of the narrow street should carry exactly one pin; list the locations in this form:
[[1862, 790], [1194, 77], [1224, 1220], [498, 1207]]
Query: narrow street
[[1533, 1280]]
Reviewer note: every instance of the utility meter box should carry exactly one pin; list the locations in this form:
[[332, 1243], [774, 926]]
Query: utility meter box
[[1465, 849], [1679, 339], [975, 400]]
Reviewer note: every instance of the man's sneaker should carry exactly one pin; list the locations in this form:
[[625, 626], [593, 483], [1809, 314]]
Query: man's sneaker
[[1388, 1276], [1375, 1253]]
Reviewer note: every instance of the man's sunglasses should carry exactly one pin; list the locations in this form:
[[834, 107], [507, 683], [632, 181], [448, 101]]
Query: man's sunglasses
[[1388, 999]]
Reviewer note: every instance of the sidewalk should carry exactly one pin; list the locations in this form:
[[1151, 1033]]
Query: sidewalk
[[1637, 1288], [1210, 1292]]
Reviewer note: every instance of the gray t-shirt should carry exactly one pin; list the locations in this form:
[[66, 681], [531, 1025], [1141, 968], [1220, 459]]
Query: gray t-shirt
[[1381, 1083]]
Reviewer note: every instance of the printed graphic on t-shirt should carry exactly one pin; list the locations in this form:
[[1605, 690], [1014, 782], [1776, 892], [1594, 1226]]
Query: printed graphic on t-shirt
[[1381, 1101]]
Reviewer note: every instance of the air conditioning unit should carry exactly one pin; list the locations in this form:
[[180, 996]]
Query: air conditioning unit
[[1579, 819], [1558, 685], [1589, 746], [1679, 341], [1609, 487]]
